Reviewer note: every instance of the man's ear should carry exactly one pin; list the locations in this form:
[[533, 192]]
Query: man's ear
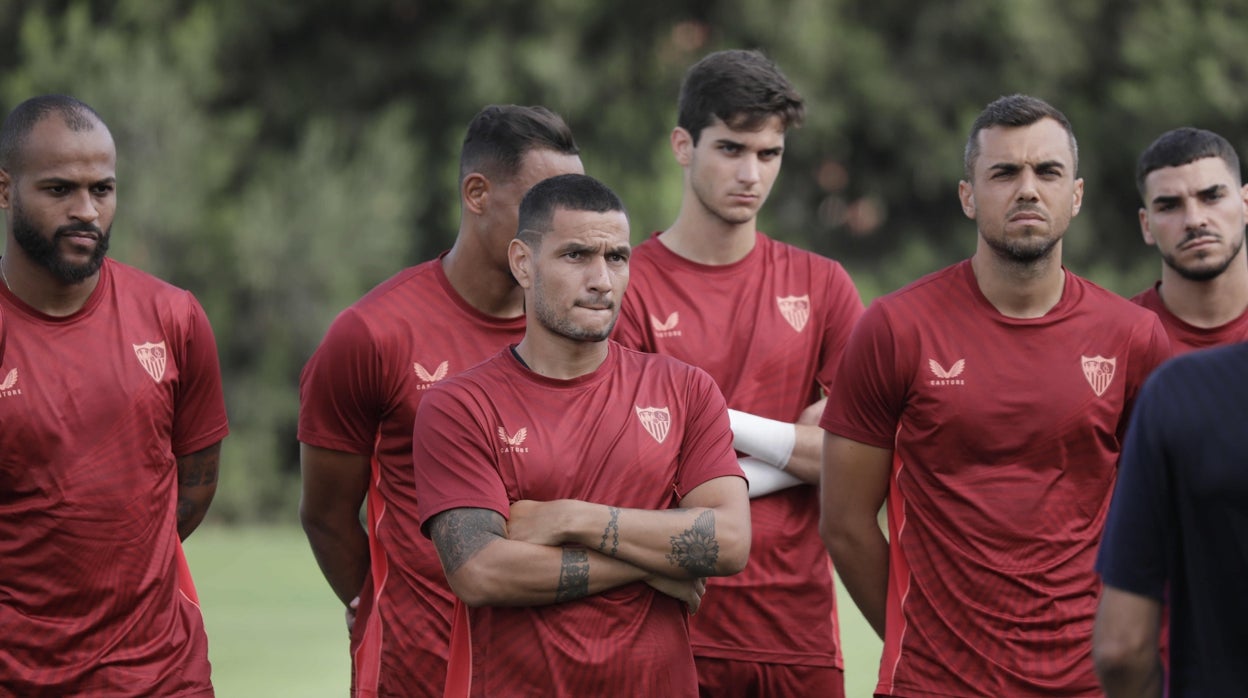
[[682, 146], [520, 258], [5, 183], [474, 191], [1144, 228], [966, 194]]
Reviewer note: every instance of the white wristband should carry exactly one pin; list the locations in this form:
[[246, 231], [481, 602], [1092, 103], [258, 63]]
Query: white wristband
[[768, 439], [765, 479]]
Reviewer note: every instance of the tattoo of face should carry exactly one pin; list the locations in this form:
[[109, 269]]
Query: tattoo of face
[[613, 531], [459, 534], [696, 550], [573, 575]]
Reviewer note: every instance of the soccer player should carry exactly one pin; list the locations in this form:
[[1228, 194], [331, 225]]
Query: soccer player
[[987, 402], [1176, 532], [768, 321], [359, 392], [113, 416], [1194, 211], [578, 491]]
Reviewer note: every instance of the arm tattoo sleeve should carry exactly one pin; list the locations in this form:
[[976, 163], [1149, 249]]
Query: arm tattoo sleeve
[[458, 534], [199, 468], [613, 531], [573, 575], [696, 550]]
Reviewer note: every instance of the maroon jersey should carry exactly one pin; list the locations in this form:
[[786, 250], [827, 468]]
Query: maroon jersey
[[639, 432], [96, 407], [358, 394], [1006, 434], [1185, 337], [770, 330]]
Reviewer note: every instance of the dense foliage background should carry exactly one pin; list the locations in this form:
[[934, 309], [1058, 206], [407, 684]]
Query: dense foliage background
[[281, 158]]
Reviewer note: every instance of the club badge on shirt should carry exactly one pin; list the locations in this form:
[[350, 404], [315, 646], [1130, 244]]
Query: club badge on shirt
[[1099, 371], [656, 420], [796, 310], [152, 357]]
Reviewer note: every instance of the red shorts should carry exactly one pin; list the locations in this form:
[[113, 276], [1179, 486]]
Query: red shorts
[[729, 678]]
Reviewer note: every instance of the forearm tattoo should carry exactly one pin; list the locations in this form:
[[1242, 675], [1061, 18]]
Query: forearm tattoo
[[696, 550], [199, 468], [573, 575], [459, 534], [613, 531]]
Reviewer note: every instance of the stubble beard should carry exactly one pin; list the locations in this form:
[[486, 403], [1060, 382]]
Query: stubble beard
[[1202, 273], [564, 327], [1025, 251]]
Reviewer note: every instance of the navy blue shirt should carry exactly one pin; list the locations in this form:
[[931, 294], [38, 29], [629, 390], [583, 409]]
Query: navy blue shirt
[[1179, 516]]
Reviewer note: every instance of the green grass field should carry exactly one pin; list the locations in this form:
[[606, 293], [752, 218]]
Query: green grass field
[[276, 630]]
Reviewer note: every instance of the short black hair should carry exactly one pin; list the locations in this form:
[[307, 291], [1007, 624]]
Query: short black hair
[[1181, 146], [500, 135], [1014, 111], [15, 130], [572, 192], [741, 88]]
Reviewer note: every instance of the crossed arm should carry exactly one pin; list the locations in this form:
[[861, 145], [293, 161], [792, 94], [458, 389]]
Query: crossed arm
[[197, 484], [567, 549]]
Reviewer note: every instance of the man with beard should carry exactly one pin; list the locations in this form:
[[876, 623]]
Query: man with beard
[[578, 492], [768, 321], [987, 402], [359, 392], [1194, 211], [113, 416]]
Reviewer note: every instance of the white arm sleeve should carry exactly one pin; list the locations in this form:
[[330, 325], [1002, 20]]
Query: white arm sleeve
[[767, 439], [764, 478]]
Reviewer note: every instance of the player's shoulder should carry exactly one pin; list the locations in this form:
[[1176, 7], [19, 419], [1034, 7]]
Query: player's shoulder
[[656, 364], [130, 279], [939, 285], [145, 289], [419, 279], [1102, 300]]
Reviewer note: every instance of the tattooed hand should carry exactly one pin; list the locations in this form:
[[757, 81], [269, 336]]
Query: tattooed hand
[[536, 522], [690, 591]]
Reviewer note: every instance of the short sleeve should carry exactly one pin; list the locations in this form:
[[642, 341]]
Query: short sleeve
[[868, 396], [706, 452], [199, 419], [843, 308], [455, 465], [341, 395]]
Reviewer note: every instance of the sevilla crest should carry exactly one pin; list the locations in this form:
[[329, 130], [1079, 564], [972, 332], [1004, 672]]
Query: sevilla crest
[[1099, 371], [796, 310], [656, 420], [152, 358]]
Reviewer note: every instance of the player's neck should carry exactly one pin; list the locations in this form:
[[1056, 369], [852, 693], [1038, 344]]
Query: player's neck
[[554, 356], [39, 288], [1020, 290], [707, 239], [1206, 304], [481, 283]]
